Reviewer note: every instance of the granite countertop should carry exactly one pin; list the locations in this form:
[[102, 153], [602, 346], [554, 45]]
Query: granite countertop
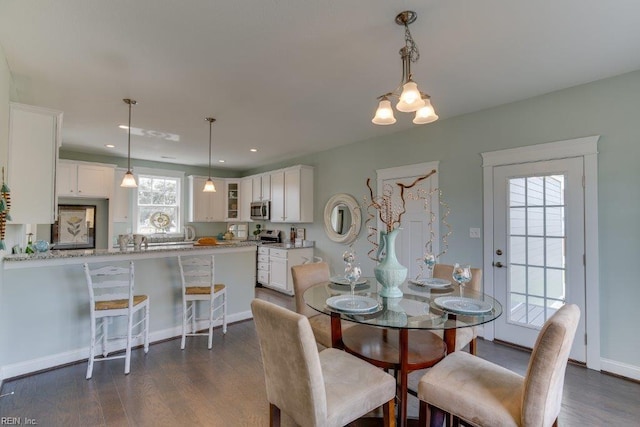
[[74, 253]]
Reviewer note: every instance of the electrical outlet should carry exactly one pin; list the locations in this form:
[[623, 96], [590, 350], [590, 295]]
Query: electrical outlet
[[474, 233]]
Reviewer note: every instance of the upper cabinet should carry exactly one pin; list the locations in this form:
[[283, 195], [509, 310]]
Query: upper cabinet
[[261, 187], [206, 207], [246, 197], [34, 138], [292, 195], [232, 204], [75, 179]]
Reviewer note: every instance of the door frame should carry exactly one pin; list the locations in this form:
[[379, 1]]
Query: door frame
[[587, 148]]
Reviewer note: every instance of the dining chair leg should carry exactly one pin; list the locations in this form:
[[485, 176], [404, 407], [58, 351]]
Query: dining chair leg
[[423, 414], [194, 307], [274, 415], [224, 313], [184, 324], [127, 358], [389, 413], [472, 347], [92, 349]]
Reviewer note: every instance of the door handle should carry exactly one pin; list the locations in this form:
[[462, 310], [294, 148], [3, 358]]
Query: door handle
[[498, 264]]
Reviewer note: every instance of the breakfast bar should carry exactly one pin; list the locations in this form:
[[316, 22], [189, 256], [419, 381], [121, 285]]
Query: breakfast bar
[[44, 301]]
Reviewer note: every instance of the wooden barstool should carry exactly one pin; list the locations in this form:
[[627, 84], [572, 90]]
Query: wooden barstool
[[198, 284], [111, 295]]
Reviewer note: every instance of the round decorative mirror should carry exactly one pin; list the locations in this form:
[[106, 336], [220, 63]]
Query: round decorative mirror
[[342, 218]]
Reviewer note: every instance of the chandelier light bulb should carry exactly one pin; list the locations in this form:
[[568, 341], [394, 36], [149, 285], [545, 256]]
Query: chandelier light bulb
[[384, 113], [410, 98]]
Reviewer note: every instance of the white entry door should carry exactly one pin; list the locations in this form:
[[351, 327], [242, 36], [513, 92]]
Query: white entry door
[[539, 247], [420, 222]]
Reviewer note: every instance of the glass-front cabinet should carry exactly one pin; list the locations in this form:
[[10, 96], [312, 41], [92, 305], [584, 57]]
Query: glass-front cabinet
[[232, 200]]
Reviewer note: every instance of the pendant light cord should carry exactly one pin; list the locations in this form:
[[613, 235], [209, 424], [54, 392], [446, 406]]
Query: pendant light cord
[[129, 141], [210, 124]]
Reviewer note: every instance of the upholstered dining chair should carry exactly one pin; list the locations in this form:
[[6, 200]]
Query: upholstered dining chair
[[323, 389], [464, 336], [304, 276], [481, 393]]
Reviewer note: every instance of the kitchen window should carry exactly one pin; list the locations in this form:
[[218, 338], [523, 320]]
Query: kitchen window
[[158, 201]]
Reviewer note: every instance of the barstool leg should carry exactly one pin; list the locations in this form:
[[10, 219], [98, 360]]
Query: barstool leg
[[105, 335], [92, 349], [184, 323], [127, 358], [194, 307], [211, 310], [224, 312], [146, 328]]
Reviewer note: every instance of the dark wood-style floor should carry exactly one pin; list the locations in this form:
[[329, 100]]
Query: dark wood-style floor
[[225, 387]]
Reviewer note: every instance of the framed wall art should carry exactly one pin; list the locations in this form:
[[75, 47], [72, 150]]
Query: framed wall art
[[75, 227]]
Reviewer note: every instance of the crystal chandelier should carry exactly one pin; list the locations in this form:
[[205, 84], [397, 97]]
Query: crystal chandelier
[[410, 98]]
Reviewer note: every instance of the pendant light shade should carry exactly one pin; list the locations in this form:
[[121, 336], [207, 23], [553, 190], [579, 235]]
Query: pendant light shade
[[129, 181], [384, 113], [410, 98], [209, 186], [425, 114]]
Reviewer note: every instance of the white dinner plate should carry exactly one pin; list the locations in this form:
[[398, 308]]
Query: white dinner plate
[[362, 304], [340, 280], [432, 283], [463, 305]]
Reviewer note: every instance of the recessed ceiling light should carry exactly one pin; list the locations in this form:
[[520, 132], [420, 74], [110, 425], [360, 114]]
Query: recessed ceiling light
[[253, 150], [168, 157], [123, 127], [109, 145], [220, 161]]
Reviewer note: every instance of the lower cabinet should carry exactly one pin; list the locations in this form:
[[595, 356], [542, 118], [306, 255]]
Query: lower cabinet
[[280, 262]]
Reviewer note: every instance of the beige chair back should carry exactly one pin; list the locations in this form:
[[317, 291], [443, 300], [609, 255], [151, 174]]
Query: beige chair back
[[293, 373], [445, 271], [305, 276], [544, 381]]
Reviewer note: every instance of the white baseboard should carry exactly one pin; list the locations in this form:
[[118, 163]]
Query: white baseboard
[[619, 368], [47, 362]]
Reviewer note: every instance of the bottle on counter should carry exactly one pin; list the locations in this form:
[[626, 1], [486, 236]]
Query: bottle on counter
[[292, 235], [29, 249]]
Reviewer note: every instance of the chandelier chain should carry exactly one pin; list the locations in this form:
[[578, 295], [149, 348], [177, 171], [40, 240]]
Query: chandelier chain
[[410, 45]]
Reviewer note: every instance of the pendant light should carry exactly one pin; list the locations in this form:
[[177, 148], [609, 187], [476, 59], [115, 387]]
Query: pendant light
[[411, 99], [129, 181], [209, 186]]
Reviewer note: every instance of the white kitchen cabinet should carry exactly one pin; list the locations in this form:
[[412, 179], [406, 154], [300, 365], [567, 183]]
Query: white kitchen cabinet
[[280, 262], [261, 187], [34, 138], [263, 265], [232, 200], [246, 197], [206, 207], [292, 195], [121, 200], [75, 179]]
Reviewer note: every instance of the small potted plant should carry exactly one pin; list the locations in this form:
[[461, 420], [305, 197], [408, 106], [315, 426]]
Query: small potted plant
[[257, 231]]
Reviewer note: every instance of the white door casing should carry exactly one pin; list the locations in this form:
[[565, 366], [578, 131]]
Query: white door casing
[[586, 149]]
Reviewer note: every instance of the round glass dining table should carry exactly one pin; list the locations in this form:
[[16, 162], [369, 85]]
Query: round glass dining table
[[400, 341]]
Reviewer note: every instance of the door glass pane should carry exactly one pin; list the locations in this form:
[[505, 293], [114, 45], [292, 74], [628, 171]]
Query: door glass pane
[[536, 253], [518, 250]]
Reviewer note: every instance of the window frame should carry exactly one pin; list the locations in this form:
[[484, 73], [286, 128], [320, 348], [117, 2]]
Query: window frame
[[161, 173]]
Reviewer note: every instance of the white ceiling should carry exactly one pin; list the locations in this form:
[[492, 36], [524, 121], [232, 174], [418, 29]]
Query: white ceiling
[[292, 77]]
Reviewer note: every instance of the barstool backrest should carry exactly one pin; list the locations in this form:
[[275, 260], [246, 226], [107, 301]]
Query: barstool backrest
[[110, 283], [196, 271]]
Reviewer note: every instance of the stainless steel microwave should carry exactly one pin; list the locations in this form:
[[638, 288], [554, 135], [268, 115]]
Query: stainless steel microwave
[[260, 210]]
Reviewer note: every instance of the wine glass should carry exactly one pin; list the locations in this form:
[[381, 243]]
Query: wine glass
[[430, 260], [462, 275], [352, 274]]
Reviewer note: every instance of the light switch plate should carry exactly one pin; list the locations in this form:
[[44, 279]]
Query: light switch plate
[[474, 233]]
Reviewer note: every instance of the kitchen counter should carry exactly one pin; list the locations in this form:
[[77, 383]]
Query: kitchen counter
[[44, 301]]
